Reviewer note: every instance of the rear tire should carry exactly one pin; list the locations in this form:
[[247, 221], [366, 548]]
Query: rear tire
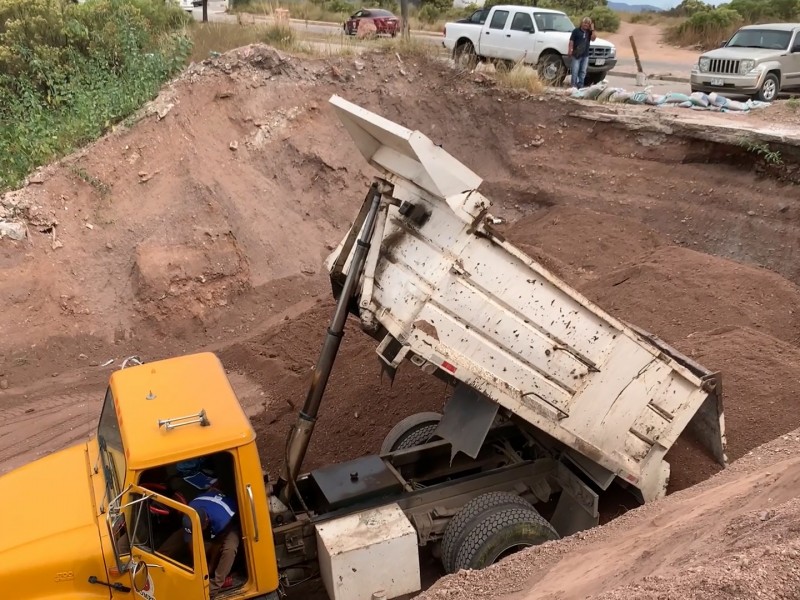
[[464, 55], [552, 70], [501, 532], [414, 430], [463, 522]]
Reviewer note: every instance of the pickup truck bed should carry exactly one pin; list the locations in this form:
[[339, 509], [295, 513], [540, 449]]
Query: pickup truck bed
[[445, 291]]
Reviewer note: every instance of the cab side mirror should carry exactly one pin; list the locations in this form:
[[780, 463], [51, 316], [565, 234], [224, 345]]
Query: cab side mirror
[[528, 29], [139, 575]]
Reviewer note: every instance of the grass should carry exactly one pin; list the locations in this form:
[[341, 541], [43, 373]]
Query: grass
[[520, 77], [705, 38], [214, 38], [210, 38], [68, 76], [761, 149]]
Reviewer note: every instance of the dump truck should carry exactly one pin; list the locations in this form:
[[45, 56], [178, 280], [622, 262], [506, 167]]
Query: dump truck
[[553, 402]]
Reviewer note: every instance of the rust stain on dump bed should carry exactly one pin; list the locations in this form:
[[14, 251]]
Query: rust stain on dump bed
[[427, 329]]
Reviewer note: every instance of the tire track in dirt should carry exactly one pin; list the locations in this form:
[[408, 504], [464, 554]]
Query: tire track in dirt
[[41, 426]]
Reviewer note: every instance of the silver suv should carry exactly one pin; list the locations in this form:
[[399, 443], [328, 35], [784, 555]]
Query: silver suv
[[758, 61]]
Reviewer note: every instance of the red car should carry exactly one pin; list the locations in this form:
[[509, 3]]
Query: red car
[[383, 20]]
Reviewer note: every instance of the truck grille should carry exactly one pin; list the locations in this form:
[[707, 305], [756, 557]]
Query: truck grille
[[595, 52], [727, 67]]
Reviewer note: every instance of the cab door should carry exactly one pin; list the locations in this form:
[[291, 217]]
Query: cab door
[[164, 565], [791, 68], [493, 34], [518, 41]]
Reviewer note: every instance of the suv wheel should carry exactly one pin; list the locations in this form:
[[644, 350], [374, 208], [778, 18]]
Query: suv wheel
[[769, 89]]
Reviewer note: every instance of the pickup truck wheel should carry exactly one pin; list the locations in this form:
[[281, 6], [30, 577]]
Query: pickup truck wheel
[[464, 55], [501, 532], [462, 523], [414, 430], [769, 89], [552, 70]]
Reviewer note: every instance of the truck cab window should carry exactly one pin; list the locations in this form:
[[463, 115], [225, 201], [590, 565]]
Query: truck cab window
[[522, 22], [499, 19], [112, 453]]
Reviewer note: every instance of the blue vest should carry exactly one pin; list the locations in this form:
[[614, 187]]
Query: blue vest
[[219, 508]]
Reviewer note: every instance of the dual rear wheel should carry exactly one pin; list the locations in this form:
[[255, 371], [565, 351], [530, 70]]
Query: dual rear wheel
[[486, 529]]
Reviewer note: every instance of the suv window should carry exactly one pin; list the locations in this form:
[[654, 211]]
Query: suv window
[[522, 22], [769, 39], [499, 19]]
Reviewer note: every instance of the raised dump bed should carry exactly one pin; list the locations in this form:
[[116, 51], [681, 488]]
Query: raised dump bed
[[446, 291]]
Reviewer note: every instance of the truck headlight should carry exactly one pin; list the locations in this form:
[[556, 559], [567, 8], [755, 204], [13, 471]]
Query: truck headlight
[[746, 66], [613, 53], [704, 64]]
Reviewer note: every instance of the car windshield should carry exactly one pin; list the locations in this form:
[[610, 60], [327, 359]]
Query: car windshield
[[553, 22], [112, 453], [760, 38]]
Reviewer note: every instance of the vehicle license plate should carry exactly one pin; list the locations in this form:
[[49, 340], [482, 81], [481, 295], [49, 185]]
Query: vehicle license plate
[[717, 82], [600, 61]]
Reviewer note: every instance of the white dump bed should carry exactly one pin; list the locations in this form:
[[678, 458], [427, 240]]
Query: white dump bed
[[444, 290]]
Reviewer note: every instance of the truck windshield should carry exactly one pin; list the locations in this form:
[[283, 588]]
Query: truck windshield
[[553, 22], [760, 38], [112, 453]]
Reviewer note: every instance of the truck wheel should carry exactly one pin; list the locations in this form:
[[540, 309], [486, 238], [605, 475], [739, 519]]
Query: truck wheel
[[552, 70], [462, 523], [769, 89], [414, 430], [464, 55], [500, 532]]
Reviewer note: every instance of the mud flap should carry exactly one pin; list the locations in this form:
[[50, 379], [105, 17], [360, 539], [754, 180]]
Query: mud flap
[[577, 507], [468, 416], [708, 423]]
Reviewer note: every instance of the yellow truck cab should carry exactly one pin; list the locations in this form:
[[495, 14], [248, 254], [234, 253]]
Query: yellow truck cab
[[93, 521]]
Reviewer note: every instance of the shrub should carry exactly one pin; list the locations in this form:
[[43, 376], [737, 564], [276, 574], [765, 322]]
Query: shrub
[[69, 71], [340, 6], [280, 36], [705, 29], [429, 14], [605, 19]]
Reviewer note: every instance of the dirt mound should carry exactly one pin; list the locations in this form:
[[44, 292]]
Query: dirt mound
[[583, 243], [731, 537], [677, 292]]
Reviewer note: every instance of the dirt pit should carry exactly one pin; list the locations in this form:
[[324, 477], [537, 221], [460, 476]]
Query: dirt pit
[[204, 225]]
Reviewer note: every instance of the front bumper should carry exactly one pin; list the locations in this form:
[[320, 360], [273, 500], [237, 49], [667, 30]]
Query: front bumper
[[606, 64], [736, 84]]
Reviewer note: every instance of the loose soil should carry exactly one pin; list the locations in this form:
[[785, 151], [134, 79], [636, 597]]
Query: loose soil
[[203, 225]]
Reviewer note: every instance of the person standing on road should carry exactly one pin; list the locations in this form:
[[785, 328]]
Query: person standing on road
[[579, 51]]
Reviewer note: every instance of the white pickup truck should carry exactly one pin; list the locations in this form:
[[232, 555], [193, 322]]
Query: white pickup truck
[[535, 36]]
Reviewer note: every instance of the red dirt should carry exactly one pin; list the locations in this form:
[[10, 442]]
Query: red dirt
[[199, 243]]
